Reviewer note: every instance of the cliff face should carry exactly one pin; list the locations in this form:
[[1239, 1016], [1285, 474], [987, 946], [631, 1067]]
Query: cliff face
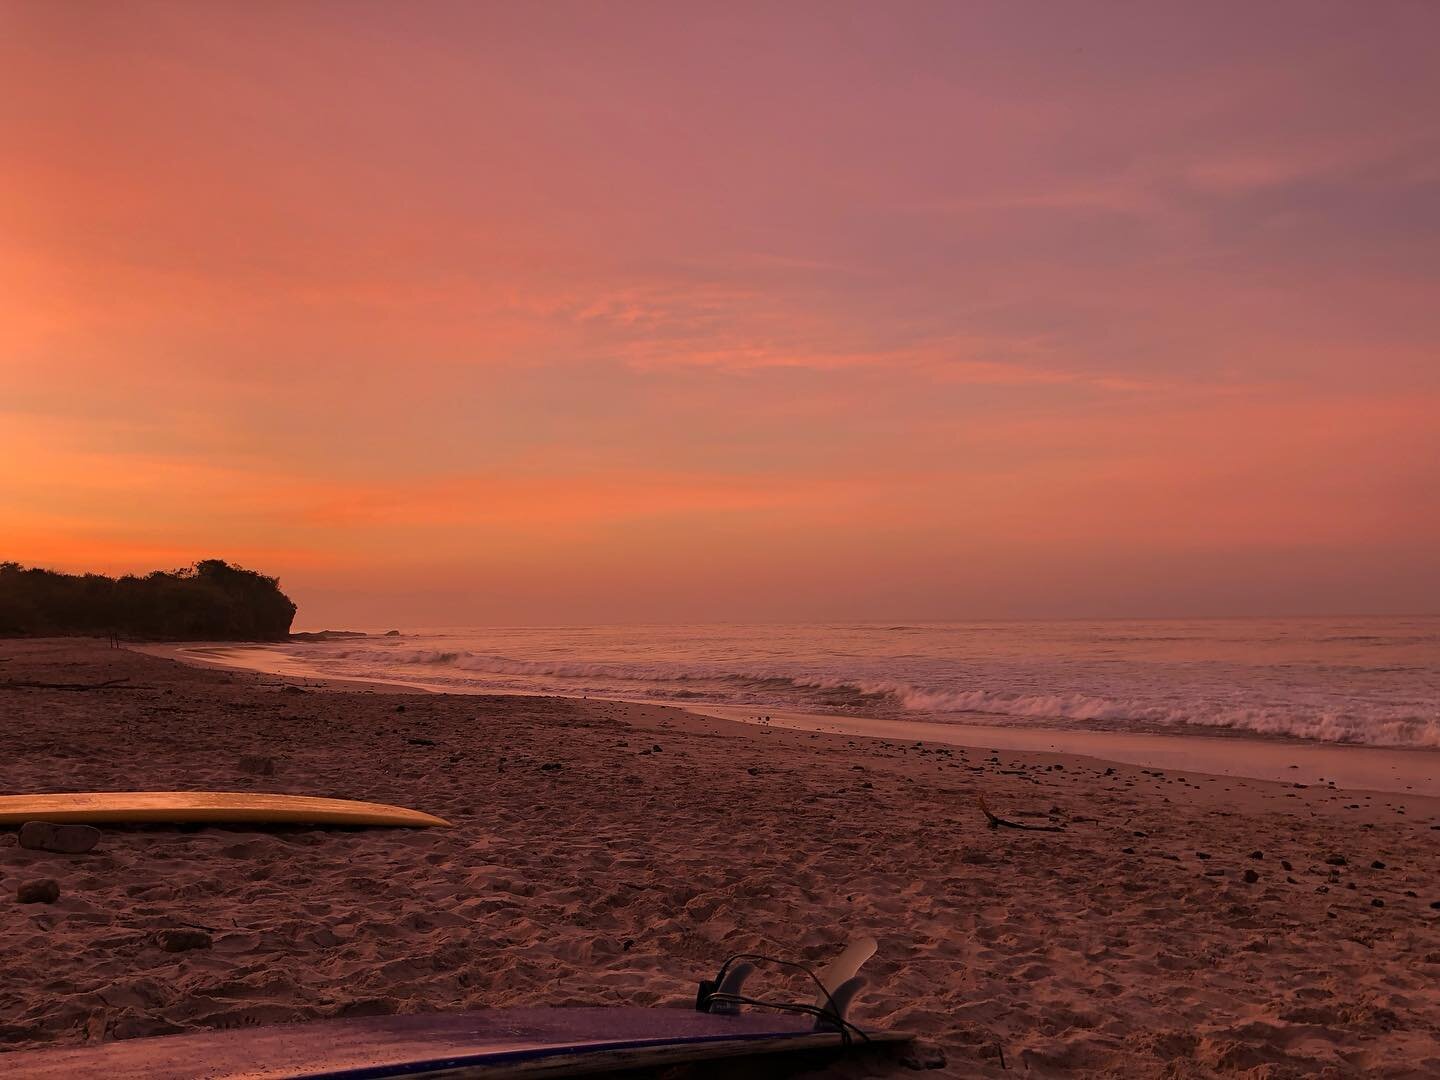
[[210, 601]]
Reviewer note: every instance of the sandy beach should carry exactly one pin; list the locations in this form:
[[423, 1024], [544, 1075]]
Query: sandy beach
[[1180, 924]]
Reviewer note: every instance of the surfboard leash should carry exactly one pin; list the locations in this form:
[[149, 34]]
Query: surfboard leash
[[830, 1015]]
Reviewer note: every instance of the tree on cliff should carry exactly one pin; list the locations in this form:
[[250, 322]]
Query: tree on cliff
[[210, 601]]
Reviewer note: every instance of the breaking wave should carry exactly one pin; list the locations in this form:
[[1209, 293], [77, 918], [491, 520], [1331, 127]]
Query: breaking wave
[[1392, 704]]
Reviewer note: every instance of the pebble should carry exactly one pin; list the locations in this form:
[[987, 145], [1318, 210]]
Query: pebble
[[1251, 877], [44, 891], [1257, 854], [1335, 860], [1377, 902], [1377, 865], [182, 940], [64, 839], [256, 765], [1285, 865]]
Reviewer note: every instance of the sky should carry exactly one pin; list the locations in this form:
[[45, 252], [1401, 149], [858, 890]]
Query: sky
[[483, 313]]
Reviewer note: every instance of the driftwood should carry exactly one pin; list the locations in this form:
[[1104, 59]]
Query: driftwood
[[27, 684], [997, 822]]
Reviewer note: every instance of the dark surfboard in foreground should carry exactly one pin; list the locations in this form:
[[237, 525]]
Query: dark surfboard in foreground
[[487, 1045]]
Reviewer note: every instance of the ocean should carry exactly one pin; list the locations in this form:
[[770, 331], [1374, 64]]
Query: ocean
[[1364, 680]]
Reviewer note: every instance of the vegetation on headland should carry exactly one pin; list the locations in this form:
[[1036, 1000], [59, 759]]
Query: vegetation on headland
[[210, 601]]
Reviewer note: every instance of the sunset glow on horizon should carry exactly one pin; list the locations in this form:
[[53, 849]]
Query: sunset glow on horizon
[[460, 313]]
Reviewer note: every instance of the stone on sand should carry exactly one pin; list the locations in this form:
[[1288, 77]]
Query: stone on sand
[[62, 839], [44, 891]]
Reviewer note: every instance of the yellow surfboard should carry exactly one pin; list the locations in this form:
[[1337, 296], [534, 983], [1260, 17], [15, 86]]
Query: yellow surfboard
[[178, 807]]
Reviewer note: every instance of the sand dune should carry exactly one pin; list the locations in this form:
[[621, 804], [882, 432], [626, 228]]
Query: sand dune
[[588, 867]]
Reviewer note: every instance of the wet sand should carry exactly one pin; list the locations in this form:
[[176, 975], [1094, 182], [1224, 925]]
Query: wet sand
[[1368, 768], [1158, 934]]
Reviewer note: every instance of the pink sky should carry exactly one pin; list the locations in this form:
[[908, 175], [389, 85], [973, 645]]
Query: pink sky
[[473, 313]]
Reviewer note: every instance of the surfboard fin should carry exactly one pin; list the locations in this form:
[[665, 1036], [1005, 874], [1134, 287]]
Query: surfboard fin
[[732, 982], [843, 967], [833, 1016], [841, 982]]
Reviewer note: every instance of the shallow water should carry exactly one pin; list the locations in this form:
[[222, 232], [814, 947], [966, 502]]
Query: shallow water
[[1371, 680]]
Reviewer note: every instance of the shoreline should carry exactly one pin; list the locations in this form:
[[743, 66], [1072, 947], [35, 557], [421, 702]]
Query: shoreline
[[1288, 760], [213, 655]]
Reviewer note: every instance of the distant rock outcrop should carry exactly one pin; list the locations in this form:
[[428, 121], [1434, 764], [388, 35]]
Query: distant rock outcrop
[[210, 601], [327, 635]]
